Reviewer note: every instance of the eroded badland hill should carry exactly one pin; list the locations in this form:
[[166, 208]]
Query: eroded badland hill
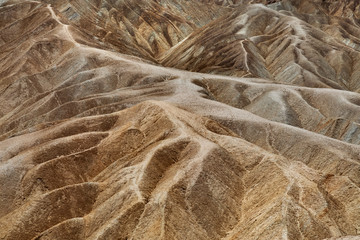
[[179, 119]]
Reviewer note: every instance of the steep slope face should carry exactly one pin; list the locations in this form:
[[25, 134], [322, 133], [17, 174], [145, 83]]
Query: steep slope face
[[96, 144], [293, 47], [141, 28]]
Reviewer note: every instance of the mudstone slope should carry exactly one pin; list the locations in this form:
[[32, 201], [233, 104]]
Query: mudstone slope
[[177, 119]]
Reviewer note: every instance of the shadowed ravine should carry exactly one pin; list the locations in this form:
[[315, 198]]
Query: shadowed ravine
[[175, 119]]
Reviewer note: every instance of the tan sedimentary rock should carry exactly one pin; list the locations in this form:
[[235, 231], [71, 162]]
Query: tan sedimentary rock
[[254, 136]]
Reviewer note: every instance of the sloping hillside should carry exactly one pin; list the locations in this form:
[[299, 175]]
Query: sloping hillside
[[178, 119]]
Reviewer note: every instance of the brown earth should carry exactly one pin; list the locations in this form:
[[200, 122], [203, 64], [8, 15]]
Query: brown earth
[[178, 119]]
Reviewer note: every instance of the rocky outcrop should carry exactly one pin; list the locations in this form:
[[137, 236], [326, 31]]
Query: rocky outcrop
[[200, 120]]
